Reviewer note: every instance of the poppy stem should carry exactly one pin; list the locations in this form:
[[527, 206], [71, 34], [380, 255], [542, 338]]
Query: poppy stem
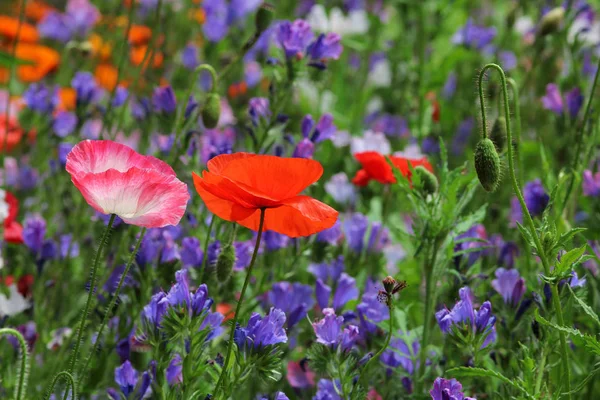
[[385, 345], [204, 255], [70, 383], [21, 388], [86, 309], [239, 304], [527, 216], [112, 303]]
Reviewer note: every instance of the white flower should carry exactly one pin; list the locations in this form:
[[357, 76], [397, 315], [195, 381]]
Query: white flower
[[355, 23], [371, 141], [381, 74], [4, 207], [14, 304]]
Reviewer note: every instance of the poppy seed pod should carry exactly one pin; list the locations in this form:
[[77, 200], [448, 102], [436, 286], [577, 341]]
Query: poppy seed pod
[[388, 284], [487, 164], [225, 263], [429, 182], [211, 111], [498, 134], [551, 21], [264, 17]]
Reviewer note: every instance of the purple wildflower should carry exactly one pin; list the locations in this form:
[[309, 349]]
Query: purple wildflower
[[216, 26], [294, 37], [444, 389], [295, 299], [509, 285], [126, 377], [591, 183], [330, 333], [328, 390], [402, 353], [163, 100], [64, 123], [191, 253], [258, 107], [41, 98], [262, 331], [34, 231], [174, 371], [552, 100], [327, 46], [474, 36], [86, 88], [329, 276]]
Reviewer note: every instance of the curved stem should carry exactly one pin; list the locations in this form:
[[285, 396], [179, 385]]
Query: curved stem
[[517, 110], [239, 304], [22, 385], [70, 382], [247, 46], [86, 309], [526, 216], [112, 303], [385, 344]]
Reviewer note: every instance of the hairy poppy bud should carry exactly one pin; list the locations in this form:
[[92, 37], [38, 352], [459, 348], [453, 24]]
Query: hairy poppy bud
[[264, 17], [551, 21], [225, 263], [487, 164], [211, 111], [429, 183], [498, 134]]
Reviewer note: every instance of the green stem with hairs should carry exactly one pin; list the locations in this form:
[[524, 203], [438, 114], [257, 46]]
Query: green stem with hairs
[[22, 385], [88, 303], [204, 255], [526, 216], [579, 139], [385, 344], [421, 43], [515, 90], [239, 305], [112, 303], [70, 383]]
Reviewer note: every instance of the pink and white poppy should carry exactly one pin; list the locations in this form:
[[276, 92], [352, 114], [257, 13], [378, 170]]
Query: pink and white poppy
[[114, 179], [9, 208]]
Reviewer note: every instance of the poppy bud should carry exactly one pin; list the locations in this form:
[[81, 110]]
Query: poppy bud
[[225, 263], [264, 17], [551, 21], [211, 111], [498, 134], [389, 283], [487, 164], [429, 183]]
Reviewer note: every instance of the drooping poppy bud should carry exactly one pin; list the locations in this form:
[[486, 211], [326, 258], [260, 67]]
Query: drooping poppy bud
[[211, 111], [225, 263], [487, 164], [264, 17], [551, 21], [429, 183]]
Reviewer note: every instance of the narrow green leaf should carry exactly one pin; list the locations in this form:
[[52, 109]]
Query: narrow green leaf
[[569, 259], [461, 372], [7, 60]]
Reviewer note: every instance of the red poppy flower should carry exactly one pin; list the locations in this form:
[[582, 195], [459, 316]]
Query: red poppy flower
[[9, 208], [237, 186], [43, 60], [9, 28], [375, 166]]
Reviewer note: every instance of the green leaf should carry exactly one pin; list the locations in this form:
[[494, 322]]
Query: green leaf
[[463, 372], [568, 260], [587, 309], [468, 221], [590, 342], [566, 237], [526, 235]]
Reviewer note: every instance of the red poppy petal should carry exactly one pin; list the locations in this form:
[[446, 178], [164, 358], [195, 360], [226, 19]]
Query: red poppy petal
[[223, 208], [298, 216], [376, 166], [361, 178], [271, 177], [219, 163], [13, 207], [13, 232]]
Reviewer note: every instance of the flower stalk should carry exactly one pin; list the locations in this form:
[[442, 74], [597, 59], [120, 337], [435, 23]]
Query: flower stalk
[[21, 387]]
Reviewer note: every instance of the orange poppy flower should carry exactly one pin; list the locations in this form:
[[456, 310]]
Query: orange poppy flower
[[36, 10], [237, 89], [226, 309], [100, 48], [237, 186], [137, 56], [106, 76], [9, 27], [139, 34], [9, 140], [67, 98], [199, 15], [44, 60], [375, 166]]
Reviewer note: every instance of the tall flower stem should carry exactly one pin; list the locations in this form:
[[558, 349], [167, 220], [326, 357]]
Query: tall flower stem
[[179, 120], [70, 383], [421, 43], [517, 111], [204, 255], [385, 344], [429, 301], [88, 303], [21, 388], [112, 303], [239, 304], [579, 138], [526, 216]]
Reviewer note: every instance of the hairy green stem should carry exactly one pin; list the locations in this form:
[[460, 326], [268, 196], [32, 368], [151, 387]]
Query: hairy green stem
[[112, 303], [239, 304], [540, 373], [70, 383], [21, 388], [526, 216], [247, 46], [385, 344], [204, 256], [517, 111], [429, 301], [88, 303], [421, 43]]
